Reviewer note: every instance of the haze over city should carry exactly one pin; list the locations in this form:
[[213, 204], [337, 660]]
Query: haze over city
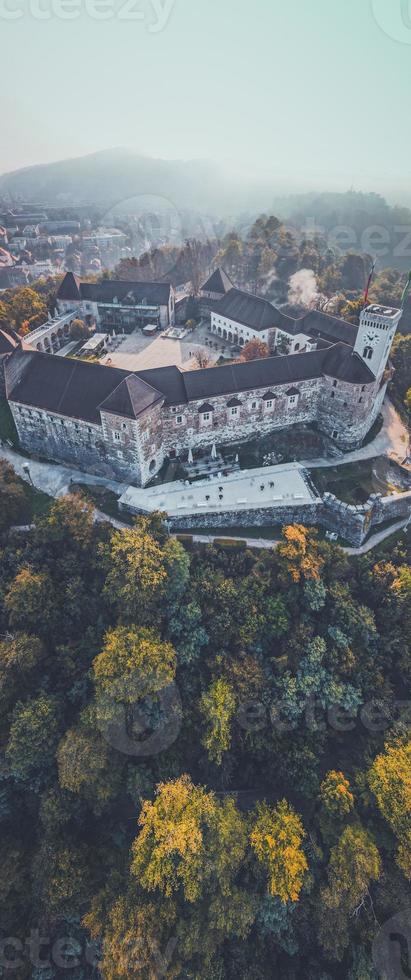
[[299, 95]]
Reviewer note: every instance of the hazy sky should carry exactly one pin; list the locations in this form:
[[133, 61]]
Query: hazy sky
[[312, 90]]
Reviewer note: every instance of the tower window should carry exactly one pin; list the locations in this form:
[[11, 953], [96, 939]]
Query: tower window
[[367, 353]]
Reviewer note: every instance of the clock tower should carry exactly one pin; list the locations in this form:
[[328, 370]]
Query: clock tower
[[375, 336]]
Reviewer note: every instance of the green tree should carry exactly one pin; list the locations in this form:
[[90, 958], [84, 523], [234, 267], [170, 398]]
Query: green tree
[[137, 574], [218, 706], [353, 865], [134, 663], [30, 603], [20, 656], [87, 767], [33, 737], [78, 330], [12, 498]]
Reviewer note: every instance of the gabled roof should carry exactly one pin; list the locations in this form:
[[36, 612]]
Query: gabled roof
[[132, 397], [251, 311], [8, 342], [65, 386], [318, 324], [233, 402], [70, 287], [341, 362], [110, 290], [205, 407], [169, 380], [218, 282], [292, 391]]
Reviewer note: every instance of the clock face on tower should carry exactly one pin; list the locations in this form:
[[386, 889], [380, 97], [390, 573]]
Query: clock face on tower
[[372, 337]]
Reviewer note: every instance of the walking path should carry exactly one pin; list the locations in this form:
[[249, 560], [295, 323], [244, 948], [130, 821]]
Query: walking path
[[392, 440]]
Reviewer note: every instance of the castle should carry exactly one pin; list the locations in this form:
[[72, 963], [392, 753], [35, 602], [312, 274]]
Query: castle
[[123, 425]]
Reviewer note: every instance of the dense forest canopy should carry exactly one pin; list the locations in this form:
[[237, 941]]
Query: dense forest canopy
[[205, 752]]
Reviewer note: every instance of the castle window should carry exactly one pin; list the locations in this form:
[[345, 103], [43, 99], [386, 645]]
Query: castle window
[[205, 416], [179, 419], [116, 436], [124, 425], [292, 399], [332, 394], [363, 388], [368, 352], [269, 404], [360, 399], [253, 405], [234, 411], [335, 384]]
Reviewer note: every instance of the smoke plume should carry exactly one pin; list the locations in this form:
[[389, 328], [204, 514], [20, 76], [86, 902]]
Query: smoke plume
[[303, 289]]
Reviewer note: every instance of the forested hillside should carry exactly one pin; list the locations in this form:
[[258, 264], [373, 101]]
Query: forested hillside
[[205, 753]]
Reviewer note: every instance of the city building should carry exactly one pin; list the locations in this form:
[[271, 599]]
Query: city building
[[118, 306]]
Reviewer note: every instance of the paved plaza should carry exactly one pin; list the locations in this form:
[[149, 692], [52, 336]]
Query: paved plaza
[[137, 352], [266, 486]]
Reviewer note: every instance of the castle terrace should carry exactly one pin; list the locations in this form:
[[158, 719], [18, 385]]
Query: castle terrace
[[267, 486]]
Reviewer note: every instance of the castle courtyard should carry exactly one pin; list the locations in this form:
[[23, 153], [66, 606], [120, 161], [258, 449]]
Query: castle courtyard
[[136, 352]]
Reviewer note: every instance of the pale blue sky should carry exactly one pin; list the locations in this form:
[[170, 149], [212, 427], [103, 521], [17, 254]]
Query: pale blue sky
[[308, 90]]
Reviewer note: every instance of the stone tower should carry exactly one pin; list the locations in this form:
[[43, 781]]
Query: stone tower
[[375, 336]]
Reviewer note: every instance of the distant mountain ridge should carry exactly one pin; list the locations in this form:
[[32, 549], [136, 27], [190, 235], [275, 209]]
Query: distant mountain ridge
[[111, 176]]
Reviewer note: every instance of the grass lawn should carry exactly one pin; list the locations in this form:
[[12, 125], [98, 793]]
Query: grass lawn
[[350, 482], [37, 503], [7, 426], [269, 533]]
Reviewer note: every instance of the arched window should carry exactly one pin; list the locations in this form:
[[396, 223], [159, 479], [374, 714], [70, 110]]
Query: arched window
[[368, 352]]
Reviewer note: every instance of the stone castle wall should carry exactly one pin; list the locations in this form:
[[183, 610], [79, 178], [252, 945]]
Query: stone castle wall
[[80, 444], [352, 523]]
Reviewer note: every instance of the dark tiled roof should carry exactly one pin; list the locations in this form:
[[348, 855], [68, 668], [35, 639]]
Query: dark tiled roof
[[342, 363], [68, 387], [78, 389], [292, 391], [168, 380], [132, 397], [8, 343], [244, 376], [317, 324], [70, 287], [233, 402], [245, 308], [152, 293], [218, 282], [205, 407], [268, 395]]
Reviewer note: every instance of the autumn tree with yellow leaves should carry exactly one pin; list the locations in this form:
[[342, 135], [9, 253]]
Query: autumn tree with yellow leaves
[[276, 839]]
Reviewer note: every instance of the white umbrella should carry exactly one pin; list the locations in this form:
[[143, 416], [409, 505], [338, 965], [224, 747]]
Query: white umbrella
[[213, 451], [190, 456]]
